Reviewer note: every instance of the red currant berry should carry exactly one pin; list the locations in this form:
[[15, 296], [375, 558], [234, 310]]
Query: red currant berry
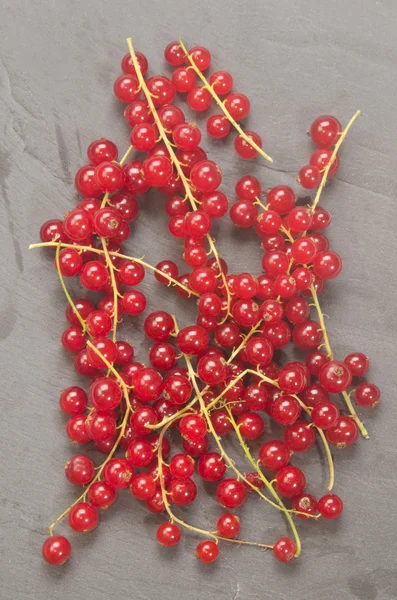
[[102, 150], [231, 493], [56, 550], [182, 491], [100, 426], [162, 90], [70, 262], [274, 455], [327, 264], [201, 57], [297, 310], [321, 218], [211, 466], [159, 326], [344, 433], [73, 339], [315, 360], [281, 199], [304, 503], [284, 550], [118, 473], [157, 170], [184, 79], [299, 436], [199, 99], [143, 486], [186, 136], [221, 82], [367, 395], [148, 385], [228, 525], [83, 517], [109, 176], [98, 323], [206, 176], [290, 481], [105, 393], [218, 126], [330, 506], [275, 263], [251, 426], [278, 334], [207, 551], [244, 213], [101, 495], [107, 350], [325, 415], [321, 157], [86, 183], [79, 469], [238, 106], [73, 400], [174, 55], [245, 149], [358, 363], [168, 534], [78, 224], [134, 182], [307, 335], [76, 430], [309, 177], [335, 377], [325, 131]]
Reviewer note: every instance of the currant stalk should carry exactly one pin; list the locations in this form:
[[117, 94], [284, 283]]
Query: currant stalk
[[222, 106], [172, 281], [174, 159]]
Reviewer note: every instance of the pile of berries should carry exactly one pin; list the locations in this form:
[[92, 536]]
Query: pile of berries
[[217, 377]]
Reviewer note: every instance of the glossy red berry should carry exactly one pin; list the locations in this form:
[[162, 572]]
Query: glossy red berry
[[335, 377], [101, 495], [344, 433], [73, 400], [309, 177], [133, 302], [315, 360], [182, 491], [56, 550], [304, 503], [218, 126], [284, 550], [244, 213], [244, 148], [193, 427], [159, 326], [285, 409], [177, 389], [221, 82], [231, 493], [197, 223], [168, 534], [290, 481], [181, 466], [367, 395], [201, 57], [174, 54], [100, 426], [206, 176], [98, 323], [199, 99], [70, 262], [211, 466], [299, 436], [203, 280], [184, 79], [307, 335], [143, 486], [105, 393], [327, 264], [207, 551], [321, 157], [192, 340], [325, 131], [79, 469], [157, 170], [330, 506], [251, 426], [118, 473], [83, 517], [325, 415], [86, 183], [281, 199], [357, 363], [186, 136], [162, 90]]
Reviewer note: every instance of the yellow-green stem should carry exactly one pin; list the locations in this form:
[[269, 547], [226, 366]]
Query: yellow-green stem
[[222, 106]]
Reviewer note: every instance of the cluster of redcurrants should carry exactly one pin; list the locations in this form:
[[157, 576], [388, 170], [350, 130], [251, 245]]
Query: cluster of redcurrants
[[241, 320]]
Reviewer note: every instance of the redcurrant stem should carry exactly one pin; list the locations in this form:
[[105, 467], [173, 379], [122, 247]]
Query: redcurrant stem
[[325, 444], [331, 160], [327, 345], [114, 288], [122, 384], [188, 191], [173, 517], [172, 281], [222, 106], [216, 437], [105, 198]]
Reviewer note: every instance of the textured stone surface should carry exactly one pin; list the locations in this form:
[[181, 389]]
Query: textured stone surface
[[295, 60]]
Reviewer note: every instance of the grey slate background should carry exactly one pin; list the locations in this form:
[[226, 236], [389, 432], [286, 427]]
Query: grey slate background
[[295, 60]]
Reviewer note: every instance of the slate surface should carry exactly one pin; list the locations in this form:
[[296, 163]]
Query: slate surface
[[295, 60]]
